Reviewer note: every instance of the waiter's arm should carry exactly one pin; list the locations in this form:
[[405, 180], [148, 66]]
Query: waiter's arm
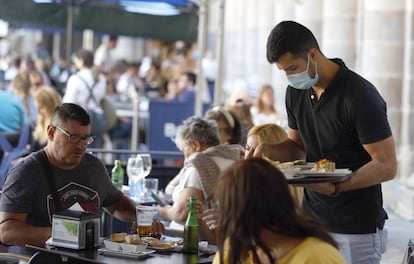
[[290, 149]]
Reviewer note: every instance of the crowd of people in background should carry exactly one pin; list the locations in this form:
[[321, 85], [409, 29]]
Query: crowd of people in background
[[171, 77]]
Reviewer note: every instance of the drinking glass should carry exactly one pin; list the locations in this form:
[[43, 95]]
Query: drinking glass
[[135, 168], [146, 169], [150, 185], [147, 163]]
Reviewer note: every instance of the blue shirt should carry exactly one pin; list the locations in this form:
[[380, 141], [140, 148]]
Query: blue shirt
[[187, 96], [12, 117]]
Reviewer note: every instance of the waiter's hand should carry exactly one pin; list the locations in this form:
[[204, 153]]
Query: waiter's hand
[[324, 188]]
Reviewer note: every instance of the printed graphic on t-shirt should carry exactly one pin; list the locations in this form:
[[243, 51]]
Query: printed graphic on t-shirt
[[75, 194]]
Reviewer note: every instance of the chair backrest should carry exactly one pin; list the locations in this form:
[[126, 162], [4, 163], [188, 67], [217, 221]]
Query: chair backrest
[[41, 257], [12, 153]]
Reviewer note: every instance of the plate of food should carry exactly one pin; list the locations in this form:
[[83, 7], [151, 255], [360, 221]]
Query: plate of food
[[119, 253], [290, 172], [162, 245], [322, 171], [124, 244], [315, 173]]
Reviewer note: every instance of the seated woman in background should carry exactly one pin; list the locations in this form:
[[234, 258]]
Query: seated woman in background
[[259, 223], [271, 133], [228, 124], [242, 111], [46, 99], [230, 129], [205, 159], [264, 110], [20, 88]]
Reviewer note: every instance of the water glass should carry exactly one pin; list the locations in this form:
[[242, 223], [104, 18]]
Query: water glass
[[150, 185]]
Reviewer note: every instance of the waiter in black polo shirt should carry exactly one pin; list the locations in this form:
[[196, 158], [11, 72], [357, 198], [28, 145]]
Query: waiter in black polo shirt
[[335, 114]]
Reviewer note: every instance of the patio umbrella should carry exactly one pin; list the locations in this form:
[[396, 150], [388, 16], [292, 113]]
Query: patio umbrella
[[104, 16]]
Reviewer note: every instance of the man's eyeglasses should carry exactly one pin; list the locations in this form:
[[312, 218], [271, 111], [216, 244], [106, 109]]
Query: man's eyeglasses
[[75, 139]]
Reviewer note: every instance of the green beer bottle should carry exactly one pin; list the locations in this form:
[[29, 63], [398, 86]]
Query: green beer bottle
[[117, 175], [191, 230]]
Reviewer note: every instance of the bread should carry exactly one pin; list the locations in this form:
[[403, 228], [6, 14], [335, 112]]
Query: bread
[[164, 245], [133, 239], [118, 237], [151, 241]]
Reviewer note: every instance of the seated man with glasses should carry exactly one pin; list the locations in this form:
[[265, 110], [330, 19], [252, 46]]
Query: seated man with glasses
[[79, 179]]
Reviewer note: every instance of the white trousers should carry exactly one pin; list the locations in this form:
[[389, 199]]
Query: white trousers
[[362, 248]]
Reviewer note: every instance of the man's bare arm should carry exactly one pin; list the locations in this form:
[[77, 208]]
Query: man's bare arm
[[287, 150], [382, 167], [124, 209], [15, 231]]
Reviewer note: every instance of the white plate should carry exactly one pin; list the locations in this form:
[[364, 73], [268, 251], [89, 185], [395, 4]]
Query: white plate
[[337, 172], [116, 253], [290, 172], [166, 249], [307, 166]]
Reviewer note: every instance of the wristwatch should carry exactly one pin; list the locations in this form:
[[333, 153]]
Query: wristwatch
[[336, 192]]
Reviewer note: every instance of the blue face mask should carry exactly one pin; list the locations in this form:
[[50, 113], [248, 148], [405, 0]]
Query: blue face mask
[[302, 80]]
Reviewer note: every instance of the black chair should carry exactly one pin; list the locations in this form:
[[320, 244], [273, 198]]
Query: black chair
[[409, 253]]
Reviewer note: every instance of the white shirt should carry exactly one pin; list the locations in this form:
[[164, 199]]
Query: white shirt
[[103, 57], [78, 93], [261, 118], [189, 177]]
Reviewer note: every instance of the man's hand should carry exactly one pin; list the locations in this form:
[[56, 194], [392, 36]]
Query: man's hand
[[158, 228]]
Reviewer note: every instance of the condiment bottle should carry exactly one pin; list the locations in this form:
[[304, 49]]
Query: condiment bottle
[[191, 229], [117, 175]]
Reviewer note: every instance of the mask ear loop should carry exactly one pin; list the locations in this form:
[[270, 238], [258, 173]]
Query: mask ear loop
[[227, 115], [316, 68]]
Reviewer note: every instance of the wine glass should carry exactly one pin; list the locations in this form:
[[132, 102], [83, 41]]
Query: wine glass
[[147, 163], [135, 168], [147, 166]]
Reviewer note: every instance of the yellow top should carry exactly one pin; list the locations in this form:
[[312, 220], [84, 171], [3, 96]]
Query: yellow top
[[311, 250]]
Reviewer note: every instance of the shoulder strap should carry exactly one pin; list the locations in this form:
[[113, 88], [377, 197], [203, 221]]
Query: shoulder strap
[[90, 89], [50, 180], [24, 138], [5, 144]]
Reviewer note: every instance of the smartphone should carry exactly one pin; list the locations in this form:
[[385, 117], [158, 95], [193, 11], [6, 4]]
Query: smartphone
[[161, 202]]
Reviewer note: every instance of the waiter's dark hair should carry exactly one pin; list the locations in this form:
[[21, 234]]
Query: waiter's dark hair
[[289, 37]]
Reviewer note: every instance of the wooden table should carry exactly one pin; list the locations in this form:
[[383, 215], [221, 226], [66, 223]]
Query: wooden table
[[93, 256]]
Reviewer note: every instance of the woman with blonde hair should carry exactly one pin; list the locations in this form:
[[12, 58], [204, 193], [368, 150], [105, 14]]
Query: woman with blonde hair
[[259, 223], [271, 133], [46, 100], [20, 88], [264, 133]]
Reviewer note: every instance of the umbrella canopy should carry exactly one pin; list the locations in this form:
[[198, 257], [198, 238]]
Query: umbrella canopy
[[105, 16]]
